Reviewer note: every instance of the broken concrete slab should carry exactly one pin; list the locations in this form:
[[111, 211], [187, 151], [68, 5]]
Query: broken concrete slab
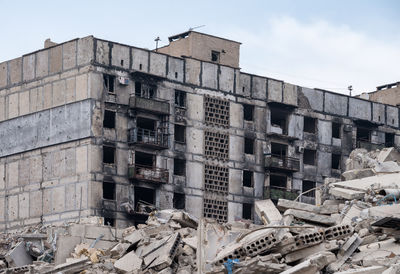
[[71, 266], [305, 252], [366, 270], [163, 256], [135, 236], [267, 212], [129, 263], [65, 246], [312, 265], [345, 252], [18, 256], [388, 154], [347, 194], [324, 209], [377, 182], [311, 217], [357, 174]]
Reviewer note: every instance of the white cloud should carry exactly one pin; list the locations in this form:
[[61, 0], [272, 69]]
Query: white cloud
[[319, 54]]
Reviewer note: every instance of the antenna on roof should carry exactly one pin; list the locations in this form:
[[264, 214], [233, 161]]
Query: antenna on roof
[[157, 40], [190, 29], [350, 88]]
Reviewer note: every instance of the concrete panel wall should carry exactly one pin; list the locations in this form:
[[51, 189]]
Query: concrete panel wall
[[120, 56], [259, 87], [324, 132], [392, 116], [103, 52], [244, 88], [226, 79], [360, 109], [192, 72], [209, 75], [335, 104], [175, 69], [140, 60], [289, 94], [274, 90], [378, 113], [158, 64], [315, 98], [49, 127]]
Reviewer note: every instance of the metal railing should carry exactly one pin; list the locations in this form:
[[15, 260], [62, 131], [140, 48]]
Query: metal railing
[[148, 137], [275, 193], [282, 162], [148, 173]]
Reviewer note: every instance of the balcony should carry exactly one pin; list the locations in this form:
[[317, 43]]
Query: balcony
[[180, 114], [368, 145], [149, 104], [278, 162], [275, 193], [148, 138], [148, 173]]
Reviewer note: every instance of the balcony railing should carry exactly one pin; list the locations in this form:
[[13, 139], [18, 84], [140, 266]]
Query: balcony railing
[[149, 104], [368, 145], [148, 173], [180, 114], [282, 162], [275, 193], [150, 138]]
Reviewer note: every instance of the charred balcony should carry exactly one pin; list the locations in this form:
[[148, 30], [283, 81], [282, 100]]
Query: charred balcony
[[155, 139], [283, 163], [148, 173], [145, 99]]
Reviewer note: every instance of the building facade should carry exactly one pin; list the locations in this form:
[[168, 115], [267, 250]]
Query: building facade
[[93, 127]]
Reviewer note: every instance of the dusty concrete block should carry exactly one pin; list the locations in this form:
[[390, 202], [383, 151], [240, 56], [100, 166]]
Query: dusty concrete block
[[312, 217], [65, 246], [81, 87], [2, 108], [158, 64], [357, 174], [35, 204], [12, 174], [367, 270], [120, 56], [56, 59], [18, 256], [24, 102], [289, 94], [69, 55], [58, 93], [12, 207], [29, 67], [274, 90], [119, 249], [42, 63], [3, 74], [192, 71], [345, 252], [313, 264], [81, 159], [209, 75], [305, 252], [140, 60], [47, 96], [324, 209], [23, 201], [58, 203], [129, 263], [102, 52], [267, 212], [13, 105], [85, 50], [347, 194], [2, 176], [15, 70], [92, 232]]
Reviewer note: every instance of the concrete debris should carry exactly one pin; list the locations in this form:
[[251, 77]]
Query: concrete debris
[[354, 228]]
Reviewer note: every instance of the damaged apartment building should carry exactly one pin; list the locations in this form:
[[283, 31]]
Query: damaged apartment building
[[96, 128]]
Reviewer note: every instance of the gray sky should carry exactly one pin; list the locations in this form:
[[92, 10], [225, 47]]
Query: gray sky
[[327, 44]]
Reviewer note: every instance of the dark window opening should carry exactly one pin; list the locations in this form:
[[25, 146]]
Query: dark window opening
[[144, 90], [146, 123], [336, 161], [109, 119], [243, 89], [180, 132], [179, 200], [363, 134], [310, 124], [214, 56], [144, 195], [109, 221], [279, 150], [108, 191], [278, 119], [309, 157], [122, 63], [248, 146], [247, 211], [108, 155], [277, 181], [248, 178], [140, 66], [176, 75], [180, 98], [308, 185], [179, 167], [335, 130], [248, 112], [144, 159], [389, 139], [109, 82]]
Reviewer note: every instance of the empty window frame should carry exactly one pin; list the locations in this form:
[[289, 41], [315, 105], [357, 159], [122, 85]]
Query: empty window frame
[[310, 125], [145, 90], [247, 211], [278, 181], [248, 178], [248, 112], [363, 134], [109, 221], [180, 98], [336, 161], [248, 146], [143, 194], [180, 134], [179, 200], [389, 139], [108, 191], [308, 185], [179, 167], [109, 119], [336, 130], [279, 119], [309, 157], [109, 81], [145, 123], [279, 150], [215, 56], [108, 154], [144, 159]]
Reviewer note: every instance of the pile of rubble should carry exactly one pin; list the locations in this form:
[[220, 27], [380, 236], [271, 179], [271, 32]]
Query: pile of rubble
[[353, 228]]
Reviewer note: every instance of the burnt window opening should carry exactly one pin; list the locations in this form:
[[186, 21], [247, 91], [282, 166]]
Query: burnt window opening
[[277, 181], [248, 112], [180, 98], [279, 150], [279, 119], [140, 66], [144, 159], [335, 130], [215, 56], [144, 195], [248, 178], [180, 134], [109, 82], [389, 139], [310, 124], [109, 221], [176, 75], [145, 123], [248, 146], [108, 155], [144, 90], [336, 161], [363, 134], [243, 89], [309, 156], [179, 167], [308, 185], [122, 63], [179, 200], [109, 119], [247, 211], [108, 191]]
